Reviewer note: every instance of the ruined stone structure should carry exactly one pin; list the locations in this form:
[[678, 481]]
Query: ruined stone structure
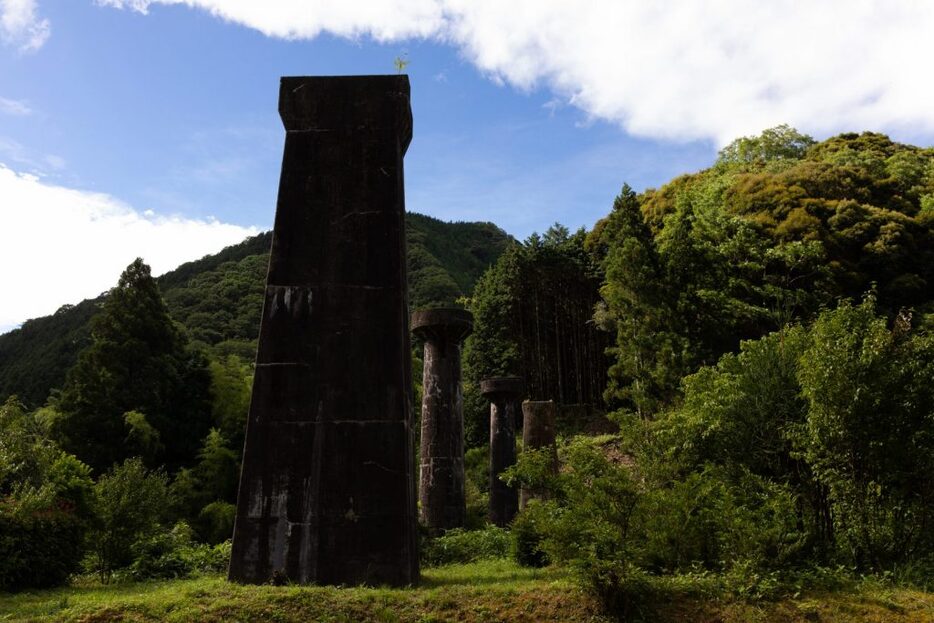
[[538, 431], [441, 473], [327, 490], [504, 393]]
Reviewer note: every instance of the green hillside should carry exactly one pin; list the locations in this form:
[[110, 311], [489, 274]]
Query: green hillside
[[218, 299]]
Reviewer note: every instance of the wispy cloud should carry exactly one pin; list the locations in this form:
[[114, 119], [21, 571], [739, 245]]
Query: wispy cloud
[[680, 70], [77, 242], [21, 26], [17, 108], [12, 151]]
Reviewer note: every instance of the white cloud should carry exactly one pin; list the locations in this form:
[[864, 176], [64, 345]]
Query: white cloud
[[60, 245], [21, 27], [17, 108], [680, 69], [384, 20]]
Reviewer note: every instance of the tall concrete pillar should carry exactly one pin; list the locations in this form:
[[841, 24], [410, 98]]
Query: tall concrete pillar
[[504, 393], [538, 431], [327, 489], [441, 480]]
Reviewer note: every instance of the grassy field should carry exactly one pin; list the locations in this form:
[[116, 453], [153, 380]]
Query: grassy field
[[491, 591]]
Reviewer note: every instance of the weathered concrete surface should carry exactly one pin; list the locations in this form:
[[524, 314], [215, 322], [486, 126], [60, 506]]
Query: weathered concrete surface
[[504, 394], [538, 431], [442, 505], [327, 489]]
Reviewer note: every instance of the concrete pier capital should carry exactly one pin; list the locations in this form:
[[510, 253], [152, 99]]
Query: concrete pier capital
[[452, 324], [508, 387]]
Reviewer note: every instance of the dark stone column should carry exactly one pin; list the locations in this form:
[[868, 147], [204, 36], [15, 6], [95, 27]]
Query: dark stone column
[[327, 489], [441, 482], [538, 431], [504, 394]]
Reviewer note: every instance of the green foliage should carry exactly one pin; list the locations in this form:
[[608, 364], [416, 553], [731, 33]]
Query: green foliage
[[770, 236], [810, 444], [35, 357], [611, 521], [779, 143], [461, 251], [462, 546], [203, 495], [38, 547], [130, 502], [217, 467], [223, 303], [649, 355], [231, 384], [216, 521], [531, 317], [26, 453], [173, 553], [869, 436], [44, 504], [142, 437], [528, 531], [477, 486], [741, 415], [138, 362]]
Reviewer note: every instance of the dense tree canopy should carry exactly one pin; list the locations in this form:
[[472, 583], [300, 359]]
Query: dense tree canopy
[[138, 388], [532, 317], [778, 229]]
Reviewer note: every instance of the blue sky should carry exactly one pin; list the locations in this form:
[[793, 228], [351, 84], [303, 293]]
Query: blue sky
[[149, 127]]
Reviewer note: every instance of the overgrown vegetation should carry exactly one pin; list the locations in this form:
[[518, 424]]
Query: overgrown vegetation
[[129, 465], [761, 333], [770, 374]]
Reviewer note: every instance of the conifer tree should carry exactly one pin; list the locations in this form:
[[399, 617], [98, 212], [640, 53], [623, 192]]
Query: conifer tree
[[138, 361]]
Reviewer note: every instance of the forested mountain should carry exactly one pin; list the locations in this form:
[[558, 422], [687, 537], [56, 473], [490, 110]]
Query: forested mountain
[[218, 299]]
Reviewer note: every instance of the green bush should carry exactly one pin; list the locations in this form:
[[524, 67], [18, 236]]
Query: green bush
[[174, 554], [129, 504], [528, 531], [216, 521], [44, 503], [869, 437], [613, 521], [462, 546], [162, 555], [38, 549], [477, 486]]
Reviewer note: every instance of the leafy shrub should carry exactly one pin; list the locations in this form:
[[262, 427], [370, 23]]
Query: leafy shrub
[[462, 546], [38, 548], [213, 558], [528, 531], [129, 504], [174, 554], [613, 519], [216, 521], [477, 486], [44, 503], [869, 436], [162, 555]]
